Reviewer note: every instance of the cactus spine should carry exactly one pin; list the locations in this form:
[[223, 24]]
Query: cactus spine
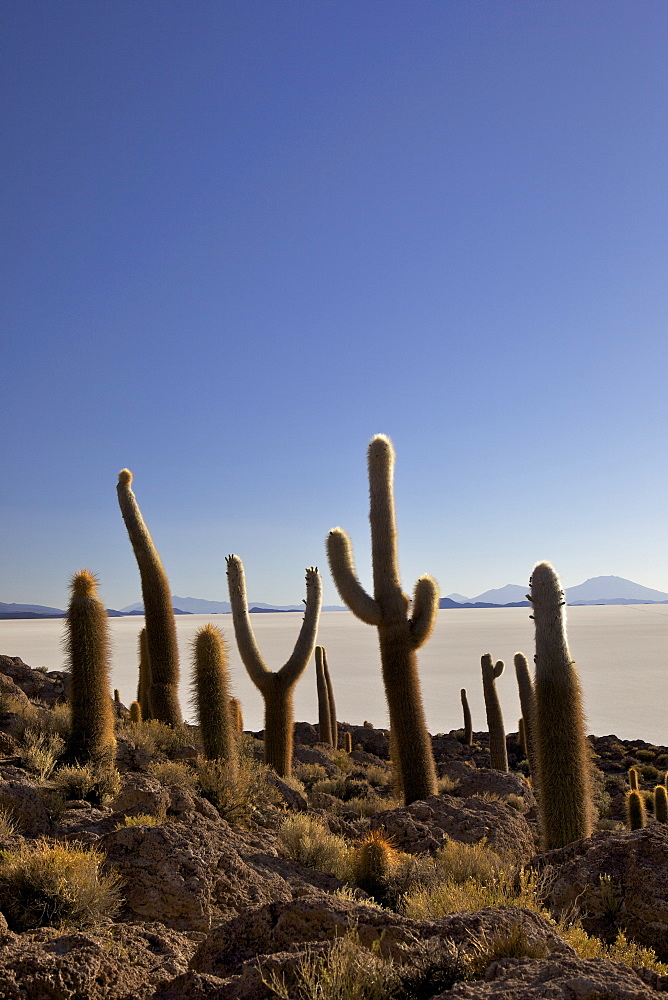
[[564, 787], [399, 636], [468, 725], [144, 676], [661, 804], [527, 703], [163, 655], [87, 646], [636, 817], [211, 697], [497, 735], [276, 687], [324, 714]]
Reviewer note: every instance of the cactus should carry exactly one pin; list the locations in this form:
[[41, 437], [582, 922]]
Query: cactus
[[400, 636], [661, 804], [527, 703], [522, 735], [633, 778], [237, 714], [212, 701], [374, 860], [163, 655], [497, 736], [348, 742], [144, 676], [135, 713], [564, 783], [87, 646], [636, 817], [324, 714], [468, 725], [330, 698], [276, 687], [397, 785]]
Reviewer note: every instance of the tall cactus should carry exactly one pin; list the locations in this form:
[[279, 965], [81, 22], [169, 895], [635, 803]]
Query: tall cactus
[[330, 699], [211, 695], [527, 703], [276, 686], [498, 751], [87, 646], [399, 636], [163, 654], [564, 782], [468, 724], [324, 714]]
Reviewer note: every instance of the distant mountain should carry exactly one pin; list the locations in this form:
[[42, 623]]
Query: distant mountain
[[613, 590], [198, 606], [38, 609], [457, 599], [511, 593]]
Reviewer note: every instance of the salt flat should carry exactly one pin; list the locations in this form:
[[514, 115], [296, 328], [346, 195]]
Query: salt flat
[[621, 652]]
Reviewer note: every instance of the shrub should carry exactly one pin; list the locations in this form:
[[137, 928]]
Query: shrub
[[460, 862], [447, 786], [156, 738], [239, 793], [173, 772], [58, 885], [307, 840], [379, 777], [40, 752], [95, 785], [649, 772], [454, 897], [517, 802], [309, 773], [145, 819]]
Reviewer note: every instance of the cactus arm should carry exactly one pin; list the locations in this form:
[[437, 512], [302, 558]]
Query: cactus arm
[[386, 582], [425, 609], [499, 667], [243, 630], [291, 671], [342, 565]]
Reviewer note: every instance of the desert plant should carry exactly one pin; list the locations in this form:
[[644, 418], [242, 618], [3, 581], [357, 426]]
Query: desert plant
[[237, 715], [135, 713], [636, 816], [60, 885], [173, 772], [324, 713], [241, 793], [564, 786], [497, 735], [633, 778], [527, 704], [330, 700], [39, 752], [348, 742], [276, 687], [660, 804], [87, 647], [144, 676], [400, 636], [210, 695], [163, 655], [373, 862], [306, 839], [95, 784], [468, 725], [145, 819]]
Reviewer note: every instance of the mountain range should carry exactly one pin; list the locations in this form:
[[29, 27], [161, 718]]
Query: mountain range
[[596, 590]]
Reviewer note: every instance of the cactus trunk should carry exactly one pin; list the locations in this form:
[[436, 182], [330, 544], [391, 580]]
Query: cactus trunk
[[468, 725], [324, 714], [527, 703], [498, 751], [210, 687]]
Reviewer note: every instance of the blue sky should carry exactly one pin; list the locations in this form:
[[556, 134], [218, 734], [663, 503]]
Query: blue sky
[[243, 237]]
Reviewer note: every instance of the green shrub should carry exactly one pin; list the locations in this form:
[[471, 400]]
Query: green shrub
[[97, 785], [306, 839], [58, 885], [649, 772]]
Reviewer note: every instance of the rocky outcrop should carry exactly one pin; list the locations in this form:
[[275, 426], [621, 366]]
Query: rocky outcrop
[[49, 687], [616, 882]]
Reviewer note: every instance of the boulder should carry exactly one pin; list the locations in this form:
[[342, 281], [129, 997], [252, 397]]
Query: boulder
[[48, 687], [487, 781], [425, 826], [25, 807], [617, 882]]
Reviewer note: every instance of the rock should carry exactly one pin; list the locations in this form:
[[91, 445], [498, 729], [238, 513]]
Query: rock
[[292, 798], [284, 926], [618, 881], [425, 826], [118, 962], [484, 780], [25, 807], [142, 794], [48, 687], [563, 978]]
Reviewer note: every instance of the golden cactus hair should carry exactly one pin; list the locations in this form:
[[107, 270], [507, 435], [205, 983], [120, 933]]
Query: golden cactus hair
[[211, 695]]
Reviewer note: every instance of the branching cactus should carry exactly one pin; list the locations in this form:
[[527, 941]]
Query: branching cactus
[[276, 687], [211, 695], [324, 714], [497, 735], [400, 636], [144, 677], [527, 703], [564, 784], [163, 654], [468, 725], [87, 646]]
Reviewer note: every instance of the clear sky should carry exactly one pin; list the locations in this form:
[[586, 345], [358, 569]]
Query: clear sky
[[242, 237]]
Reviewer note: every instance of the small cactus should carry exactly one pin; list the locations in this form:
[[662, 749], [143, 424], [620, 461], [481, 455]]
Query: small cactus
[[468, 725], [527, 704], [374, 860], [497, 736], [633, 779], [400, 636], [324, 713], [211, 698], [661, 804], [237, 714], [635, 810], [135, 713], [87, 644], [163, 654], [348, 742], [276, 687]]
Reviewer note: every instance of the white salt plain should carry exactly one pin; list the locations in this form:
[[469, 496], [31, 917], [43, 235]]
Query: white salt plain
[[621, 652]]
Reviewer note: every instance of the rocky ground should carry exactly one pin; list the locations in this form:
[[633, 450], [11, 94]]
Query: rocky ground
[[216, 903]]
